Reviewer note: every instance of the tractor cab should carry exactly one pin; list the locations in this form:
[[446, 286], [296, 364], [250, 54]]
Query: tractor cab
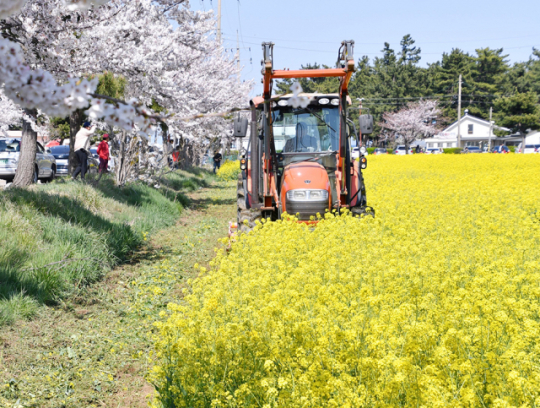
[[300, 153]]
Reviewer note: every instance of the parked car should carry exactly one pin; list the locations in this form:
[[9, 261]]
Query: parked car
[[472, 149], [401, 150], [500, 149], [355, 154], [434, 150], [61, 154], [380, 150], [530, 148], [10, 148]]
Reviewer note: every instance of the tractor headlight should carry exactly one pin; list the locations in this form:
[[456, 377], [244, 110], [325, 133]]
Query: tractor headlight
[[335, 102], [363, 163], [363, 150], [243, 164], [307, 195]]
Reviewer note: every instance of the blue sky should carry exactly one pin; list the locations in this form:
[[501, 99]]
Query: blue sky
[[312, 30]]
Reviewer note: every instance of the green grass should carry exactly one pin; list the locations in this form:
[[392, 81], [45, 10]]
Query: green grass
[[95, 348], [58, 238]]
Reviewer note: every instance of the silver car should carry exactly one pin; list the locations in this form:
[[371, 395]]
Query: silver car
[[10, 148], [61, 154]]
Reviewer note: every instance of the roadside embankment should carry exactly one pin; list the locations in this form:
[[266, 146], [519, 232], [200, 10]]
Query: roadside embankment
[[94, 348], [57, 238]]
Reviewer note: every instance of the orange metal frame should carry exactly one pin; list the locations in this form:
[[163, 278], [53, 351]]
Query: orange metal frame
[[344, 74]]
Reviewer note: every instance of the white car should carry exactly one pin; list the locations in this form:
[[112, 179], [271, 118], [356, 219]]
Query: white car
[[355, 154], [434, 150], [529, 148], [400, 150], [10, 148]]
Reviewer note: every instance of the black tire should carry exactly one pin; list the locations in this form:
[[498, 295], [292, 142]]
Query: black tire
[[52, 176], [35, 175], [246, 217]]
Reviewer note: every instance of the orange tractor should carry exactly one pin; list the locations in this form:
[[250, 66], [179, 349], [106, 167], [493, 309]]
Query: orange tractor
[[299, 157]]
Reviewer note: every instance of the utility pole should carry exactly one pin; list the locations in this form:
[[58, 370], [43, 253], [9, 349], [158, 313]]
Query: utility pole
[[237, 51], [219, 21], [459, 115], [490, 128]]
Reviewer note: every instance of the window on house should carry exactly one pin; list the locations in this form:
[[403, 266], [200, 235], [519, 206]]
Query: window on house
[[470, 129]]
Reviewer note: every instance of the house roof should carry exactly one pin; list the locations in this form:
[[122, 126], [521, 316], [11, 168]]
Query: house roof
[[477, 120]]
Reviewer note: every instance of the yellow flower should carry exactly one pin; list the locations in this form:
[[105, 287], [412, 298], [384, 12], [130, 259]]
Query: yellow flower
[[433, 303]]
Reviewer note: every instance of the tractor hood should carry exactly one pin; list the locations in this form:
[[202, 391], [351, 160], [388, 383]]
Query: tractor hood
[[305, 175]]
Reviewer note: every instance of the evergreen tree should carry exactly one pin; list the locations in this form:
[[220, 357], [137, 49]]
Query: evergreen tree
[[525, 76], [487, 81], [518, 112], [446, 80]]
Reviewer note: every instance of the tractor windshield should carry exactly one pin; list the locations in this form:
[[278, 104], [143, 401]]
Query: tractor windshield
[[306, 130]]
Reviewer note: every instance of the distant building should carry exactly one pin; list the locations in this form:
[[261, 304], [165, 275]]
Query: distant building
[[474, 132]]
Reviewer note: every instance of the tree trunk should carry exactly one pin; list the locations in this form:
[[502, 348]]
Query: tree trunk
[[120, 161], [75, 123], [407, 143], [27, 158]]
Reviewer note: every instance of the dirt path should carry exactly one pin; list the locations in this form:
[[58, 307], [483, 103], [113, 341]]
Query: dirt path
[[94, 350]]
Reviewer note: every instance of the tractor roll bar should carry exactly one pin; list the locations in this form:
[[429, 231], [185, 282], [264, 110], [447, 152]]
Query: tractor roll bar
[[255, 159], [309, 73]]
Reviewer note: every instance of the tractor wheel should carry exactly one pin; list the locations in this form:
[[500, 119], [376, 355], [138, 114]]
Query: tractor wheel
[[246, 217]]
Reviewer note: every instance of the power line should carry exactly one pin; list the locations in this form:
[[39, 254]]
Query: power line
[[365, 53], [382, 42], [434, 97]]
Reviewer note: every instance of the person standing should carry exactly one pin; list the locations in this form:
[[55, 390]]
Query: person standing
[[103, 153], [82, 149], [52, 143], [217, 160]]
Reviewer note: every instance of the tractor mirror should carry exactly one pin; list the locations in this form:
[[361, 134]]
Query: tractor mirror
[[366, 124], [240, 126]]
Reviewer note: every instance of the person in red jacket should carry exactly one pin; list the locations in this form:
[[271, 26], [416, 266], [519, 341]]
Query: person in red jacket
[[103, 153]]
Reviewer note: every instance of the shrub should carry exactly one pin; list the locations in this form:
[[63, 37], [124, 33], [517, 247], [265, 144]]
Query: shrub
[[229, 170], [370, 150], [452, 150], [438, 305]]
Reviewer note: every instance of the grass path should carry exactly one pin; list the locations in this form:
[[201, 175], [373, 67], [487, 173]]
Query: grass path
[[94, 350]]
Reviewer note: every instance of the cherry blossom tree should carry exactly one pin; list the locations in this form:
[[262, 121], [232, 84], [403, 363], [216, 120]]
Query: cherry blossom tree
[[52, 43], [10, 114], [415, 121]]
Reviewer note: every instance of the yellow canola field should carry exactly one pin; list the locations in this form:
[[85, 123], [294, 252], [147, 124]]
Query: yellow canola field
[[229, 170], [434, 303]]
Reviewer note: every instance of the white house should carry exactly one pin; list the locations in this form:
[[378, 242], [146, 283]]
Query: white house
[[532, 138], [474, 132]]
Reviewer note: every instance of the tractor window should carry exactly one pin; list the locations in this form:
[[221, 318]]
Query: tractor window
[[313, 129]]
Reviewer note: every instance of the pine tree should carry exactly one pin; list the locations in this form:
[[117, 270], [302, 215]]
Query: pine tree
[[518, 112], [525, 76], [446, 77], [487, 81]]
